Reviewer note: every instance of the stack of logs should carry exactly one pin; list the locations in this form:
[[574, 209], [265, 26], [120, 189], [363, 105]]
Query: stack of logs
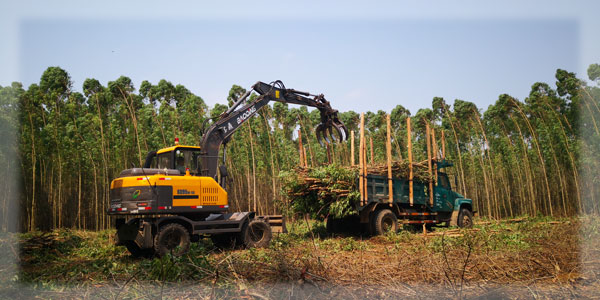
[[341, 188]]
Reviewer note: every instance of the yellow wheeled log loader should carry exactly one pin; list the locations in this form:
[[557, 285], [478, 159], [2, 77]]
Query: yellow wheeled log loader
[[180, 193]]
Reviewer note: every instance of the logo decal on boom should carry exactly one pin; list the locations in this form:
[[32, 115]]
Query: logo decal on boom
[[246, 114]]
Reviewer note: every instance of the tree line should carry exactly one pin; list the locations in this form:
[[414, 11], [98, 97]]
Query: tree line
[[61, 148]]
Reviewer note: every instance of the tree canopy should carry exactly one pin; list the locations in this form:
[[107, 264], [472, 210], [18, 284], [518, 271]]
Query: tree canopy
[[533, 156]]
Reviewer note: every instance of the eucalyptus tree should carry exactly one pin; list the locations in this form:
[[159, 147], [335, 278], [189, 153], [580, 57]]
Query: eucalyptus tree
[[10, 169]]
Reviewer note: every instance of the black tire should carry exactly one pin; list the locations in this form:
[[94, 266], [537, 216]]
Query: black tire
[[465, 218], [224, 241], [256, 234], [384, 221], [172, 238]]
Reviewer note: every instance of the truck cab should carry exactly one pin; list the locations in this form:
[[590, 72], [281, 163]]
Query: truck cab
[[450, 205]]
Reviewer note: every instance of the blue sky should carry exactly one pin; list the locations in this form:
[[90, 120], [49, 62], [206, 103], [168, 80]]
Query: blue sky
[[369, 61]]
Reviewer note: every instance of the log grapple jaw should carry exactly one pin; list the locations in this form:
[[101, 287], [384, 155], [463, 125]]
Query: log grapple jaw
[[331, 129]]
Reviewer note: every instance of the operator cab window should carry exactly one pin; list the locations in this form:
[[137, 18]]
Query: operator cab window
[[187, 158], [164, 161], [443, 181]]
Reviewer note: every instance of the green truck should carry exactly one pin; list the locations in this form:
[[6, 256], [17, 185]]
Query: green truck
[[379, 215]]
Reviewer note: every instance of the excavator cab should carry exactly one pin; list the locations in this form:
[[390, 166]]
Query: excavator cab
[[180, 158]]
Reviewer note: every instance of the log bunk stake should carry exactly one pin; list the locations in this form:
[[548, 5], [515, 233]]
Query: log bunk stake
[[352, 163], [429, 136], [301, 149], [360, 159], [410, 166], [388, 146]]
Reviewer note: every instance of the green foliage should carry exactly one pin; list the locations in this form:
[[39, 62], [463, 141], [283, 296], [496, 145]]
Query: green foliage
[[343, 244], [74, 256], [320, 203], [593, 72]]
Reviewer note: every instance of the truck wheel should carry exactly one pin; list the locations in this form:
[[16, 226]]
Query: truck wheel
[[465, 218], [224, 241], [172, 238], [384, 221], [256, 234]]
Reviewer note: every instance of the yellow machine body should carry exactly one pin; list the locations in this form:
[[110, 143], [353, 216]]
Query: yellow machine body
[[155, 191]]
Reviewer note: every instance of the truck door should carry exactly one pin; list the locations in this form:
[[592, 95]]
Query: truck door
[[444, 199]]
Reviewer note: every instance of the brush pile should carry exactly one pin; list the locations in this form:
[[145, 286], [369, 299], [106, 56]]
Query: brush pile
[[333, 190]]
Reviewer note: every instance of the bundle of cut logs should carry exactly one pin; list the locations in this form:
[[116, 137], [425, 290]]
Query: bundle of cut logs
[[331, 189]]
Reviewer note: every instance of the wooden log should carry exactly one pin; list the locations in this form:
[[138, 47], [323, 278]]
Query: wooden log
[[435, 145], [305, 157], [388, 146], [428, 131], [364, 154], [410, 165], [360, 159], [443, 145], [435, 151], [352, 162], [300, 148], [372, 156]]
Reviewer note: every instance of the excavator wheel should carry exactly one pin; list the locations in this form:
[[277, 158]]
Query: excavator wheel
[[172, 238], [256, 234]]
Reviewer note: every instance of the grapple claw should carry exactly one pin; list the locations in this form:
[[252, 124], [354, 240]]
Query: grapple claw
[[319, 132], [328, 136], [341, 131], [331, 129], [331, 132]]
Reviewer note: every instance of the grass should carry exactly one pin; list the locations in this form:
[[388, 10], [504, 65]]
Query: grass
[[494, 252]]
